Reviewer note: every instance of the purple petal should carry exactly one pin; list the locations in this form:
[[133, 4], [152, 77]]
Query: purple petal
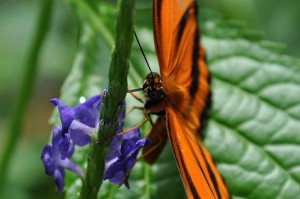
[[59, 175], [70, 151], [61, 142], [115, 172], [82, 128], [143, 142], [48, 160], [57, 136], [80, 133], [127, 147], [132, 135], [80, 138], [120, 160], [65, 146], [71, 166], [54, 165], [129, 151], [66, 114], [88, 112], [117, 178]]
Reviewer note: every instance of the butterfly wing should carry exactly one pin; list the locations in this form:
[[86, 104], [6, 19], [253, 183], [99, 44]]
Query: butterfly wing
[[186, 83], [166, 18], [159, 137], [181, 59], [198, 171]]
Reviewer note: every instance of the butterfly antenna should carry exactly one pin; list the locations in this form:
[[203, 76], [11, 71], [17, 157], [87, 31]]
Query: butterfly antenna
[[142, 52]]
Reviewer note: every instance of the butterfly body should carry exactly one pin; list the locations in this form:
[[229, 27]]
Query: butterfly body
[[154, 92]]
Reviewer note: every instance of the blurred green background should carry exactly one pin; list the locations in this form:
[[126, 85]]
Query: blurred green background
[[278, 22]]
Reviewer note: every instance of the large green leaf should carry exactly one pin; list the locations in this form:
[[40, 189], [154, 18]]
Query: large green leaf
[[254, 128], [254, 131]]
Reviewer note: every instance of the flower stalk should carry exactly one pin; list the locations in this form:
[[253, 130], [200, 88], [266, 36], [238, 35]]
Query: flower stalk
[[112, 101]]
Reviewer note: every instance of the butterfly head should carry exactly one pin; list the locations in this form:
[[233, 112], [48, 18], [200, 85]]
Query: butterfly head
[[153, 88]]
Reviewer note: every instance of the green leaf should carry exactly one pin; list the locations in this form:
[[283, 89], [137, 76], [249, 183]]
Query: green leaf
[[254, 131]]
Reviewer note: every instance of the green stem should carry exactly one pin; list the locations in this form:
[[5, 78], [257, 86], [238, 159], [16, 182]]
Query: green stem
[[30, 66], [111, 102]]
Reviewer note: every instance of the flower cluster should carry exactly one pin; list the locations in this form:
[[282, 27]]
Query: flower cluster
[[121, 158], [78, 125]]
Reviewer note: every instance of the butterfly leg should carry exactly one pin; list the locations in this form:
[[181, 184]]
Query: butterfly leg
[[138, 125], [132, 128], [133, 108], [136, 96], [148, 118]]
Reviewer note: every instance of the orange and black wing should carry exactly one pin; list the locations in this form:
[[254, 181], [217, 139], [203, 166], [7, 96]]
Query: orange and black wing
[[198, 171], [186, 82], [181, 58]]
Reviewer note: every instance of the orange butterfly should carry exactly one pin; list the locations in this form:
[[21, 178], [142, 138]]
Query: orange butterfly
[[181, 97]]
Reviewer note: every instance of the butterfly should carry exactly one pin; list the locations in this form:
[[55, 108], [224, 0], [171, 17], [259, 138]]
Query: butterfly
[[180, 95]]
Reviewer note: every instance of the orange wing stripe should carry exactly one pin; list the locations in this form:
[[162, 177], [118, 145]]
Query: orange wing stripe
[[189, 179], [198, 171], [207, 174], [195, 175], [182, 24], [195, 73], [210, 172], [204, 113]]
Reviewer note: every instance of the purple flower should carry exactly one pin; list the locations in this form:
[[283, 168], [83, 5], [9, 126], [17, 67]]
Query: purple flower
[[78, 123], [122, 158], [54, 165]]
